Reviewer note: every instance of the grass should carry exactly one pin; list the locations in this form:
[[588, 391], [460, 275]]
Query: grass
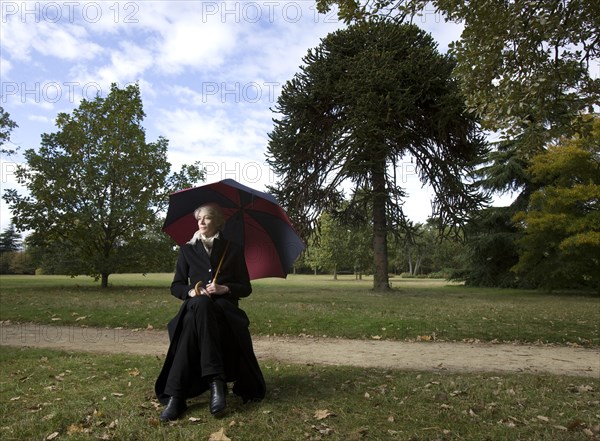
[[318, 305], [46, 394]]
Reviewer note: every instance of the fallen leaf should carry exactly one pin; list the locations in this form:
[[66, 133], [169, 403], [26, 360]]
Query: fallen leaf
[[53, 435], [194, 419], [322, 414], [117, 394], [323, 429], [219, 436], [75, 428], [83, 317], [376, 337], [543, 418], [133, 372]]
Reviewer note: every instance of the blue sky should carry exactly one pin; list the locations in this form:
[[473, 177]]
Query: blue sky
[[209, 72]]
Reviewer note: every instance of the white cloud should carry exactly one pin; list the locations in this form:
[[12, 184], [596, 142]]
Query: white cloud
[[16, 38], [5, 67], [127, 64], [63, 41], [40, 118], [197, 133], [68, 42], [195, 44]]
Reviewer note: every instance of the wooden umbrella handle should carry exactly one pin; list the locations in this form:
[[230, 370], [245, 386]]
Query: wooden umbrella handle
[[197, 287], [220, 263]]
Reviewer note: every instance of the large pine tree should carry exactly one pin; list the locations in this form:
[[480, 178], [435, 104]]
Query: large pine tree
[[367, 98]]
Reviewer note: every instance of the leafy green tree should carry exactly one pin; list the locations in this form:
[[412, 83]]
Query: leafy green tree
[[320, 251], [156, 250], [448, 255], [365, 98], [340, 246], [528, 67], [529, 71], [425, 251], [7, 125], [96, 186], [414, 248], [20, 262], [561, 241]]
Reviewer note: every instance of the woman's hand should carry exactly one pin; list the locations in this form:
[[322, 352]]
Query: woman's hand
[[198, 290], [216, 289]]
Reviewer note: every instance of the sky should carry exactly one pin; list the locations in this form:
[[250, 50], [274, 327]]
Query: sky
[[209, 73]]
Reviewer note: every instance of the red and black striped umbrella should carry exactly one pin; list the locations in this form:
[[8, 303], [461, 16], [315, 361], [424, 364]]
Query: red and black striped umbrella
[[254, 219]]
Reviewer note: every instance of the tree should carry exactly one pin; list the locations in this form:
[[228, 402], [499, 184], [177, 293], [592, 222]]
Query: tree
[[10, 243], [365, 98], [527, 67], [10, 240], [339, 246], [529, 71], [95, 186], [6, 127], [561, 241], [491, 249]]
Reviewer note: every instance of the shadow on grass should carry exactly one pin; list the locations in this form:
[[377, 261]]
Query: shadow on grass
[[298, 384]]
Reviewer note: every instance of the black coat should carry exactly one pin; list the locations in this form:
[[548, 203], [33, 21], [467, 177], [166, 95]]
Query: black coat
[[194, 265]]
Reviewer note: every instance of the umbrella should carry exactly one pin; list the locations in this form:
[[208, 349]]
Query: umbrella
[[254, 220]]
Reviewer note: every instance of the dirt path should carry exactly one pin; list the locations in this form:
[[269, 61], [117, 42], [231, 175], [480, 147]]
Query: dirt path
[[424, 356]]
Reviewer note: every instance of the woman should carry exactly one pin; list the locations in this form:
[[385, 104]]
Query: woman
[[210, 343]]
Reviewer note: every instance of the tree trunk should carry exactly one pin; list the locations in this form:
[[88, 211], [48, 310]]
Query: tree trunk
[[380, 261], [104, 283], [417, 266]]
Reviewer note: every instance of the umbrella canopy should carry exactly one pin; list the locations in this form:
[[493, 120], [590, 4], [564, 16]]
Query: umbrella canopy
[[254, 220]]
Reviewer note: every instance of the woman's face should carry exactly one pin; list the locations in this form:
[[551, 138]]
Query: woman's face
[[206, 223]]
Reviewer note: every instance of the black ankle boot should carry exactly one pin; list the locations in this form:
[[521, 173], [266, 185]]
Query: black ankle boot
[[174, 409], [218, 391]]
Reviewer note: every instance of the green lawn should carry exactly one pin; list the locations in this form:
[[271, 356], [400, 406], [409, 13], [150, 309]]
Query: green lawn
[[320, 306], [46, 394], [110, 397]]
